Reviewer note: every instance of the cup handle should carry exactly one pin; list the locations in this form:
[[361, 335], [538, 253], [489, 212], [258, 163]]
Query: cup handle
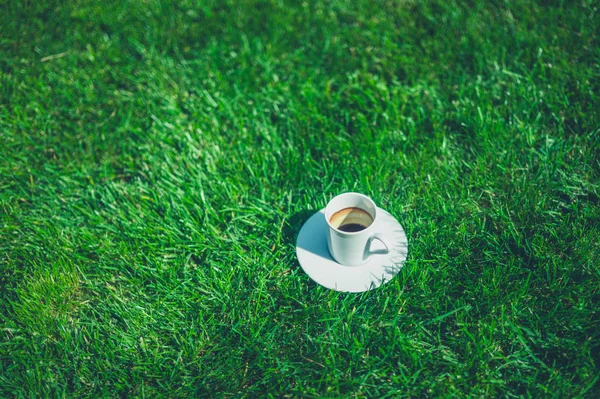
[[379, 237]]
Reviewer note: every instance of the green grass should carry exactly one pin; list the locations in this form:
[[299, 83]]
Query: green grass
[[158, 158]]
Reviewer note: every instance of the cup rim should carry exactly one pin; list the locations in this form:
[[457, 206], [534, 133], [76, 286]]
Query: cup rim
[[355, 194]]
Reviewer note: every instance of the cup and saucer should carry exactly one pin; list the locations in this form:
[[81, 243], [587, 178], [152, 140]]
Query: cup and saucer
[[351, 245]]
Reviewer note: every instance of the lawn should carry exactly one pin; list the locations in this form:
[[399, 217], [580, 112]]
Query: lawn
[[158, 158]]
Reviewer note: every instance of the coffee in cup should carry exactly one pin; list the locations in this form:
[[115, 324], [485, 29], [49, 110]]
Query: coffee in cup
[[351, 220]]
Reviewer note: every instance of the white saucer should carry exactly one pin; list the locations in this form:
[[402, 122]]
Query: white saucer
[[315, 260]]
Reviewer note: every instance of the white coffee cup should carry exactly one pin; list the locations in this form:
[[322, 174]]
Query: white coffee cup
[[352, 226]]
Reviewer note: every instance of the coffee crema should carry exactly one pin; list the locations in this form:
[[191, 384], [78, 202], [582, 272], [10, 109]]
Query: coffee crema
[[351, 220]]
